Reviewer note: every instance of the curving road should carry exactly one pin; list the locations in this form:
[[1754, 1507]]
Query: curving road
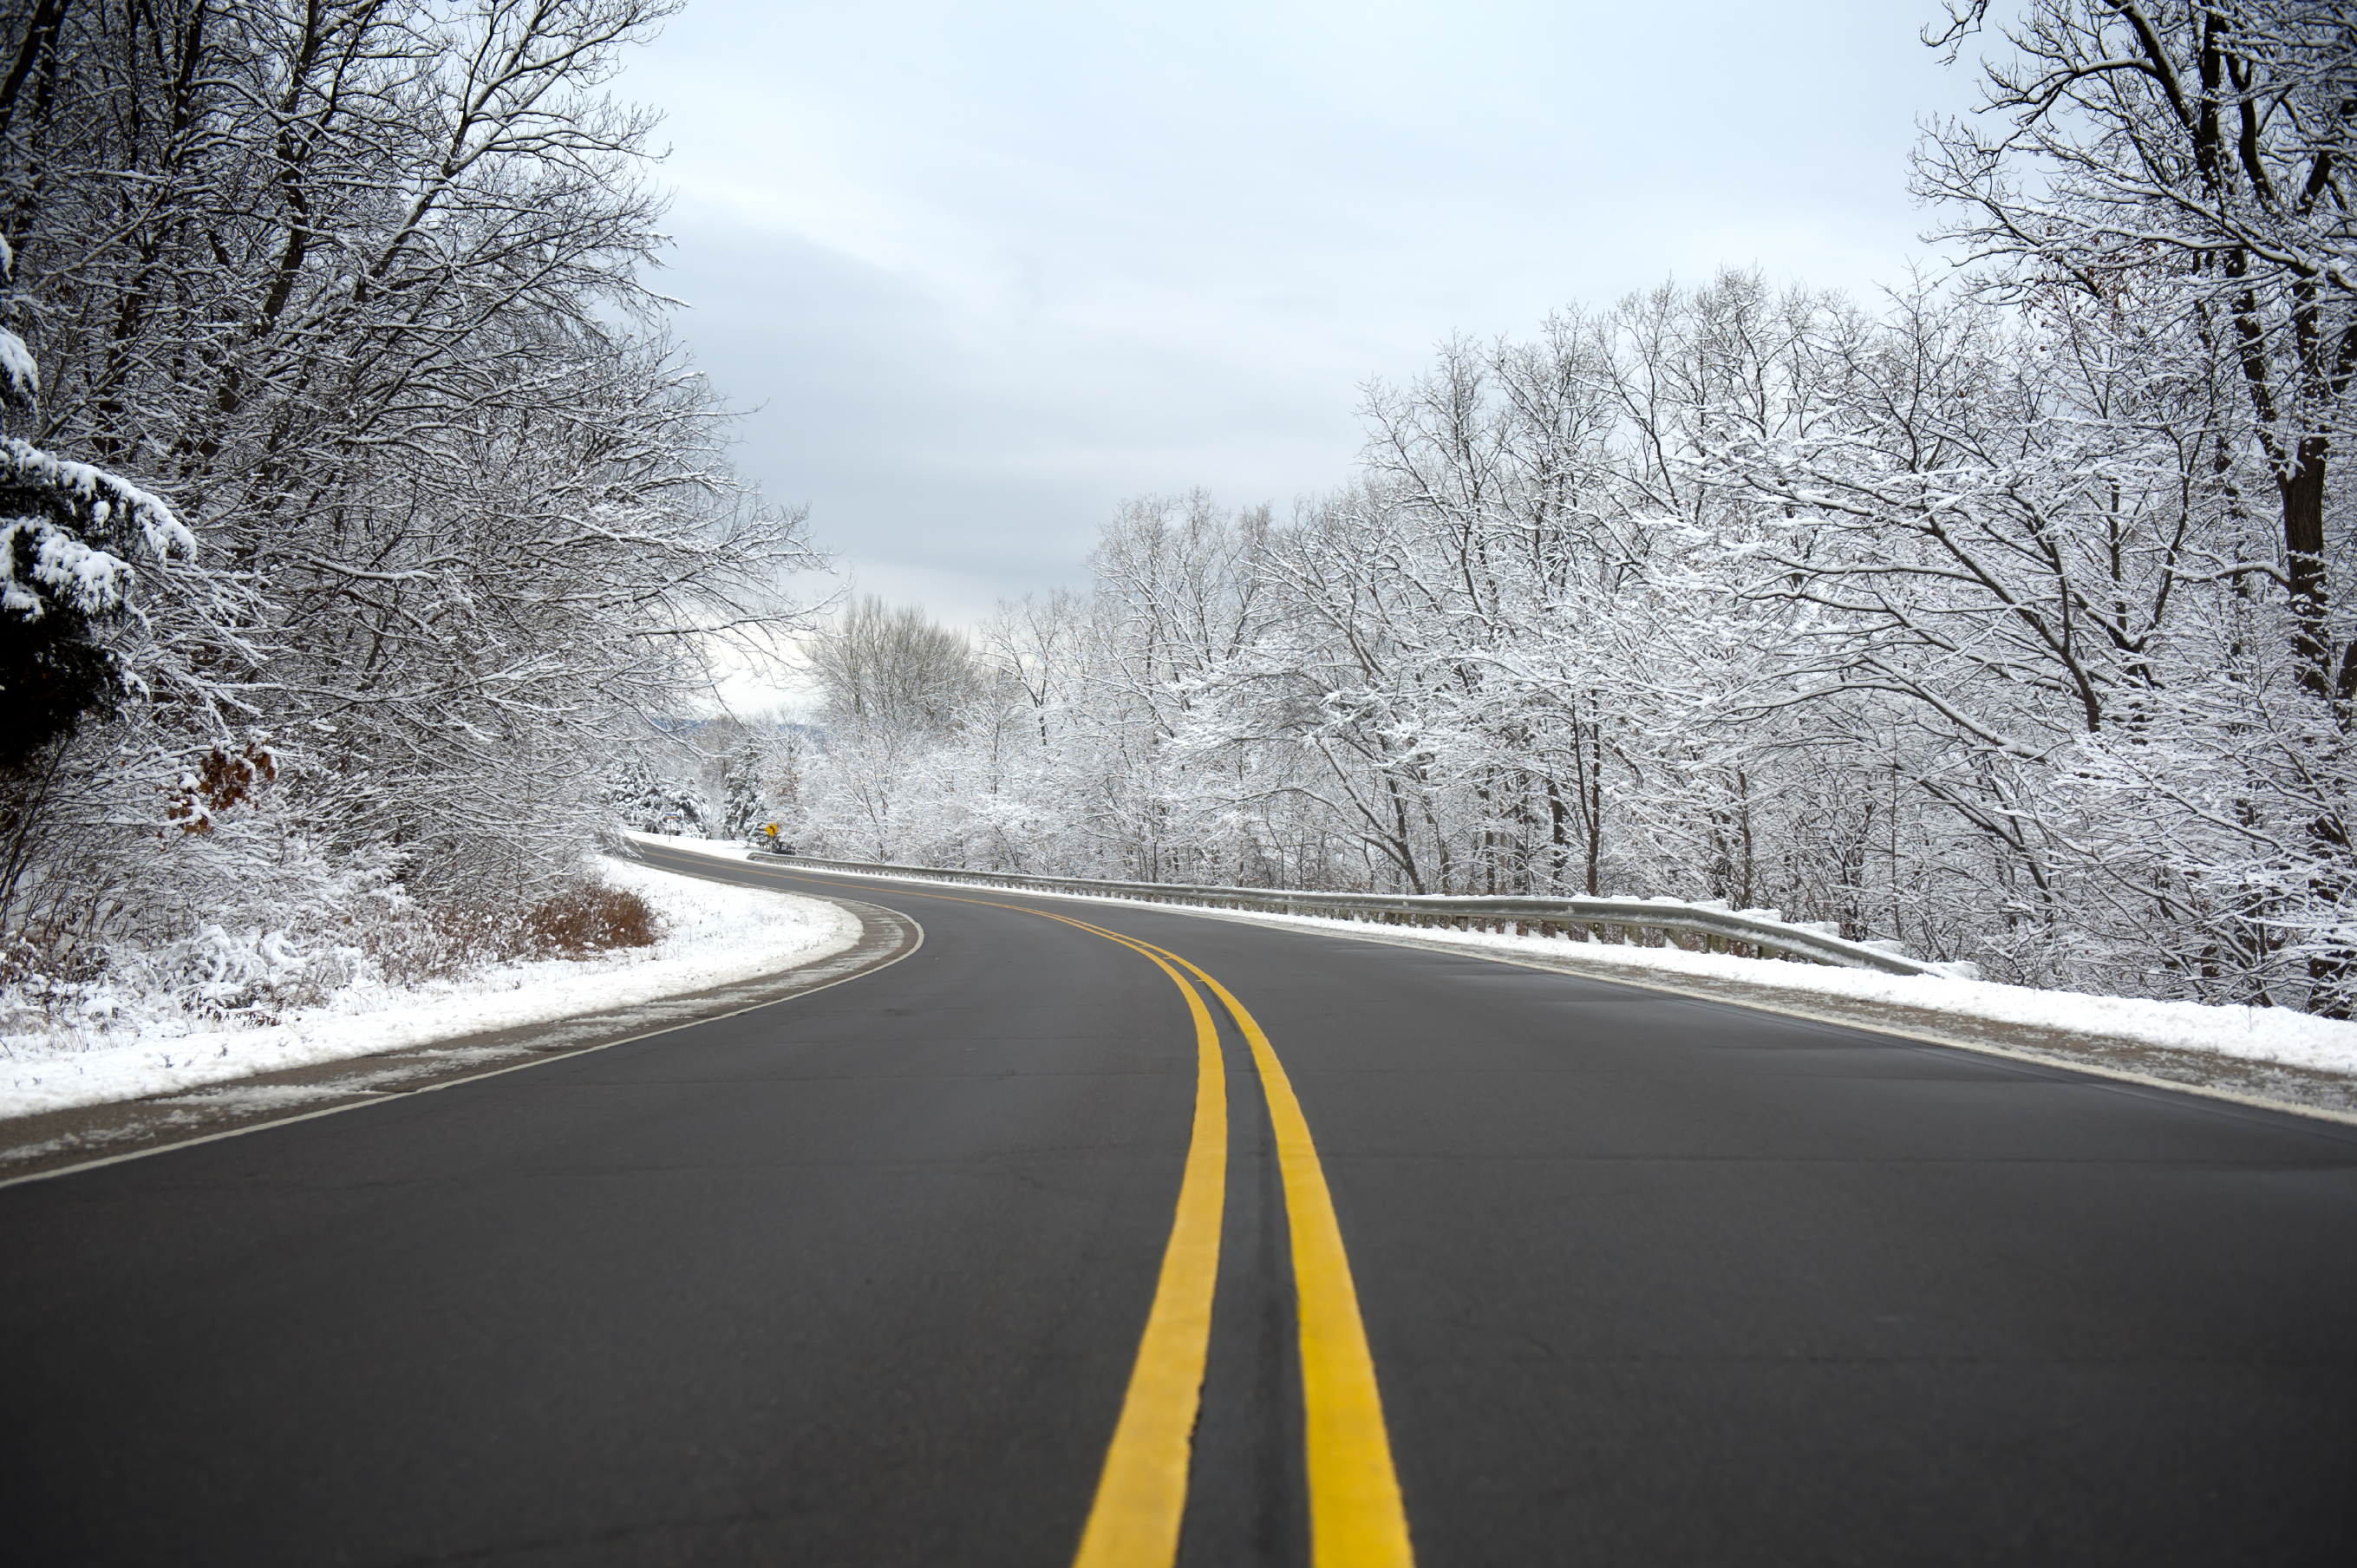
[[861, 1278]]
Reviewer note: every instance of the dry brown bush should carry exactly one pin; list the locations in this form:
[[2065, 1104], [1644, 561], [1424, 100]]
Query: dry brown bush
[[448, 936], [585, 917]]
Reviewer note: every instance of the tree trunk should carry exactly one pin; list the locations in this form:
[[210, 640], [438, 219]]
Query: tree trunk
[[2303, 526]]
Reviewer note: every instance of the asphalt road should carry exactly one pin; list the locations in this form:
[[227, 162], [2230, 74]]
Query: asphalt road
[[859, 1278]]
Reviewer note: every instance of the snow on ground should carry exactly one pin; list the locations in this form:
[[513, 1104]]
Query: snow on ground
[[2252, 1034], [713, 935]]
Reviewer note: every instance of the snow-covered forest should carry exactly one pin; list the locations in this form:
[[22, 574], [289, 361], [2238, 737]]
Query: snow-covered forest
[[370, 546], [2007, 615], [355, 494]]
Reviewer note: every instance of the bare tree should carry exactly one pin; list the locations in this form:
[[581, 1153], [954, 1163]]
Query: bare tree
[[892, 671]]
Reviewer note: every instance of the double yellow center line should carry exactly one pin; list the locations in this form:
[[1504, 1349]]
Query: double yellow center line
[[1356, 1517]]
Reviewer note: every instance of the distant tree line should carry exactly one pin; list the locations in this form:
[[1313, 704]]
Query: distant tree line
[[2010, 618]]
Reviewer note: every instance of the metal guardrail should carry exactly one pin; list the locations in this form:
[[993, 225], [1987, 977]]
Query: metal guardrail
[[1755, 933]]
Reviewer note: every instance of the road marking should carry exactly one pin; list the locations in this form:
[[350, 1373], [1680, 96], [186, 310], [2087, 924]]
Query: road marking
[[1357, 1518], [1141, 1497]]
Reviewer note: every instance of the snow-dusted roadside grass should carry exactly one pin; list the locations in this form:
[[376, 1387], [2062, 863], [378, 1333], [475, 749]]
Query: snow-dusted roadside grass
[[2273, 1035], [713, 935]]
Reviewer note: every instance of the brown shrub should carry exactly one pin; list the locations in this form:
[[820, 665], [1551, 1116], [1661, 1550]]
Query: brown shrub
[[451, 936], [585, 917]]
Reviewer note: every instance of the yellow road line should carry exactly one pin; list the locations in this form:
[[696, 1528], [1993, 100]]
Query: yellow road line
[[1357, 1519], [1142, 1494]]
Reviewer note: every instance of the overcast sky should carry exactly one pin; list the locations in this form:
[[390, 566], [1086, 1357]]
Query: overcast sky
[[982, 271]]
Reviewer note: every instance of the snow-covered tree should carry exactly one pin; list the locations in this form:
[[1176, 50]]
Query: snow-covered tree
[[2191, 162], [883, 669], [641, 798], [360, 286]]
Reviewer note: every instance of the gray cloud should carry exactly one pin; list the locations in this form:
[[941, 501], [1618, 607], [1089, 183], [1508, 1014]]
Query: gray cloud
[[981, 272]]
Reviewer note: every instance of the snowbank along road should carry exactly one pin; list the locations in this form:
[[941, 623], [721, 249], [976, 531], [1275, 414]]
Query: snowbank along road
[[1119, 1236]]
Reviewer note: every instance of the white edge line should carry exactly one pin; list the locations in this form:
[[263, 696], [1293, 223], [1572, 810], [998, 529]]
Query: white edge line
[[396, 1098], [1279, 922]]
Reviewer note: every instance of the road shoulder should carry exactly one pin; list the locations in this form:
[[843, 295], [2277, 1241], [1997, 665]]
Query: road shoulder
[[53, 1143], [2275, 1086]]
